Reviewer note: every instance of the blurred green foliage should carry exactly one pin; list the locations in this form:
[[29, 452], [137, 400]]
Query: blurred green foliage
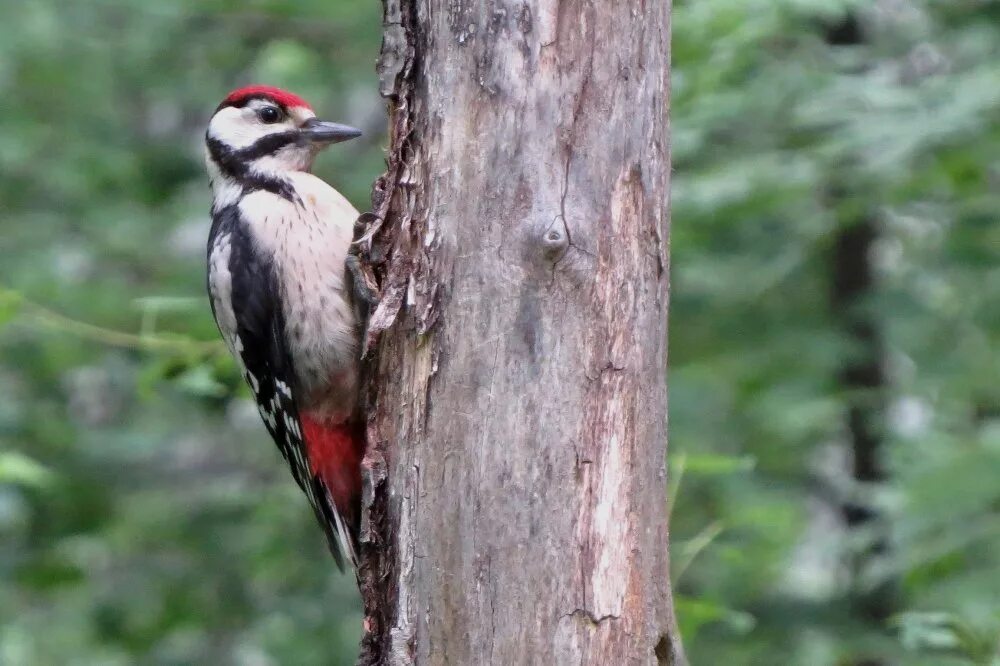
[[786, 130], [143, 515]]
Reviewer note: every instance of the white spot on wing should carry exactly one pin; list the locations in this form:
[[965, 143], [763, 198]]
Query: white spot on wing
[[293, 427], [220, 287], [251, 380], [267, 416]]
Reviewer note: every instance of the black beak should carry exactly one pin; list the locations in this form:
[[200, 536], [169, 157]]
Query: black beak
[[321, 131]]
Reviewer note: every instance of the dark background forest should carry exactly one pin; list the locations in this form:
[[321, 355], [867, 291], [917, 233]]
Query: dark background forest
[[835, 404]]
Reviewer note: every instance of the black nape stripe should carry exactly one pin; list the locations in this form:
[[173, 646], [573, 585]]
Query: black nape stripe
[[235, 163]]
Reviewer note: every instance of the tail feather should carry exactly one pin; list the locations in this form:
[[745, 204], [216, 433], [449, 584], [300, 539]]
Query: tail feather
[[335, 452], [347, 539]]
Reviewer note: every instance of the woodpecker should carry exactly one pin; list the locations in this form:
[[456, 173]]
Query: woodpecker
[[282, 292]]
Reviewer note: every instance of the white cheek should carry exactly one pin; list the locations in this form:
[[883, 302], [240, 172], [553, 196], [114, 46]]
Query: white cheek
[[237, 128], [289, 158]]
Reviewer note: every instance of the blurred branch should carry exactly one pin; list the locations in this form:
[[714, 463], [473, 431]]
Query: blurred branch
[[45, 318], [677, 467], [691, 549]]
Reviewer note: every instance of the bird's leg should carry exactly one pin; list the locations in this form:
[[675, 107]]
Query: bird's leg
[[364, 289], [365, 228], [364, 293]]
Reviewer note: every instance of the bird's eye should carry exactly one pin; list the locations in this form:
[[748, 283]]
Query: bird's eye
[[269, 114]]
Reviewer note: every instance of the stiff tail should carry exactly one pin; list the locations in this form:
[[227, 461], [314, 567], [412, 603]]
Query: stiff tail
[[335, 453]]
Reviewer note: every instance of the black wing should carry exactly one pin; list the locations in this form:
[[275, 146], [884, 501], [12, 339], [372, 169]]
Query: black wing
[[259, 341]]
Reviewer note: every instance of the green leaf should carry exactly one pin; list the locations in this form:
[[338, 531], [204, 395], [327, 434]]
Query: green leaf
[[695, 613], [198, 380], [19, 469]]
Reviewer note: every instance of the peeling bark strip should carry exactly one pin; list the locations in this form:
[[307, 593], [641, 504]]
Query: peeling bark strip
[[515, 483]]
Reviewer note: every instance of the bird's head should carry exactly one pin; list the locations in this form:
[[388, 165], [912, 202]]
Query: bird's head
[[262, 131]]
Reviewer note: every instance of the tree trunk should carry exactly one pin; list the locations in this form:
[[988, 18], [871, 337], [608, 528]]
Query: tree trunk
[[515, 508], [862, 376]]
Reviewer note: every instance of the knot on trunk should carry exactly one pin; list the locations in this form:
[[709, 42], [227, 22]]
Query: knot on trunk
[[555, 240]]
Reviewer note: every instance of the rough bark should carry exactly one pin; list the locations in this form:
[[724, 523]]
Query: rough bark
[[515, 480]]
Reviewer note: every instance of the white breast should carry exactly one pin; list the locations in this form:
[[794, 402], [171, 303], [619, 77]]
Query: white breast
[[309, 242]]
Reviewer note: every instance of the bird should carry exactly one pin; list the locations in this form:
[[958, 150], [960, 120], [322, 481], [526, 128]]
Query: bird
[[282, 287]]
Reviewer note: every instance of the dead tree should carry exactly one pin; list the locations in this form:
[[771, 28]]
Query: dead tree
[[515, 481]]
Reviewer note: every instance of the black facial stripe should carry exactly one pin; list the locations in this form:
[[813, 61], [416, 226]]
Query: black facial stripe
[[236, 160], [236, 163], [268, 145]]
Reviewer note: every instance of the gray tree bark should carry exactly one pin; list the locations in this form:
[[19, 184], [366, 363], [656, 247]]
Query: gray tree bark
[[515, 483]]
